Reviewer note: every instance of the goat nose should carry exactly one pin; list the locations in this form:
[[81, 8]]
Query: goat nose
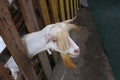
[[77, 51]]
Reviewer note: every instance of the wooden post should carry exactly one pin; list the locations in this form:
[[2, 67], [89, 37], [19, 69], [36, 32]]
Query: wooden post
[[75, 7], [62, 9], [14, 43], [44, 10], [68, 9], [53, 5], [25, 10], [77, 4], [4, 74], [26, 7], [71, 8], [45, 64]]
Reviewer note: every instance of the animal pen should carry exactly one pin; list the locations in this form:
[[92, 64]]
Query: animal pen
[[31, 16]]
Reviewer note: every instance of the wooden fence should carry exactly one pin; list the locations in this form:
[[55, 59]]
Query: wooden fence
[[51, 11], [32, 15]]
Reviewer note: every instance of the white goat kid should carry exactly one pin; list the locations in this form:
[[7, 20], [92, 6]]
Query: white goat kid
[[54, 37]]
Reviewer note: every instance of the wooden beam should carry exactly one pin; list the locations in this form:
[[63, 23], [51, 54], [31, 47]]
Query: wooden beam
[[4, 74], [14, 43], [71, 8], [45, 64], [77, 4], [54, 9], [62, 9], [61, 72], [42, 56], [68, 8], [43, 9], [28, 13], [75, 7], [58, 71]]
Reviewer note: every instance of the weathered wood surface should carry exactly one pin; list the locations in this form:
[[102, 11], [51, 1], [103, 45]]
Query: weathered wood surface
[[62, 9], [14, 43], [18, 20], [34, 27], [43, 9], [58, 71], [45, 63], [4, 74], [28, 13], [71, 7], [5, 53], [68, 9], [54, 10], [77, 3], [75, 7]]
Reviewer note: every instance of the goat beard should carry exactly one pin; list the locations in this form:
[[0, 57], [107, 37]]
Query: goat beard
[[67, 61]]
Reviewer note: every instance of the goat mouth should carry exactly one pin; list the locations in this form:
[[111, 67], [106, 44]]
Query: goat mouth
[[73, 56]]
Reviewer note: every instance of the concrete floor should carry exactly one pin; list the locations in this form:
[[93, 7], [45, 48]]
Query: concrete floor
[[92, 63]]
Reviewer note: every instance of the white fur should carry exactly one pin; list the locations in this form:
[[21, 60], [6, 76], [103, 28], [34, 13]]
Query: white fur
[[40, 41], [12, 3], [11, 64]]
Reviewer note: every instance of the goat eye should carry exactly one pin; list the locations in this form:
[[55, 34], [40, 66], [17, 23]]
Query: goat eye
[[54, 40]]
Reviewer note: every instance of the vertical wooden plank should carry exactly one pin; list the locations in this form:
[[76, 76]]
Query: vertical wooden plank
[[14, 43], [71, 7], [44, 11], [45, 64], [75, 7], [27, 10], [67, 9], [77, 4], [4, 74], [38, 12], [62, 9], [58, 71], [44, 60], [53, 5]]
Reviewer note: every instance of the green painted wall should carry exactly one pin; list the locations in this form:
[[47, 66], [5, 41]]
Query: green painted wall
[[106, 15]]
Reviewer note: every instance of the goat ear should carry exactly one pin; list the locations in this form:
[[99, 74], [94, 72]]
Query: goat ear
[[69, 26]]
